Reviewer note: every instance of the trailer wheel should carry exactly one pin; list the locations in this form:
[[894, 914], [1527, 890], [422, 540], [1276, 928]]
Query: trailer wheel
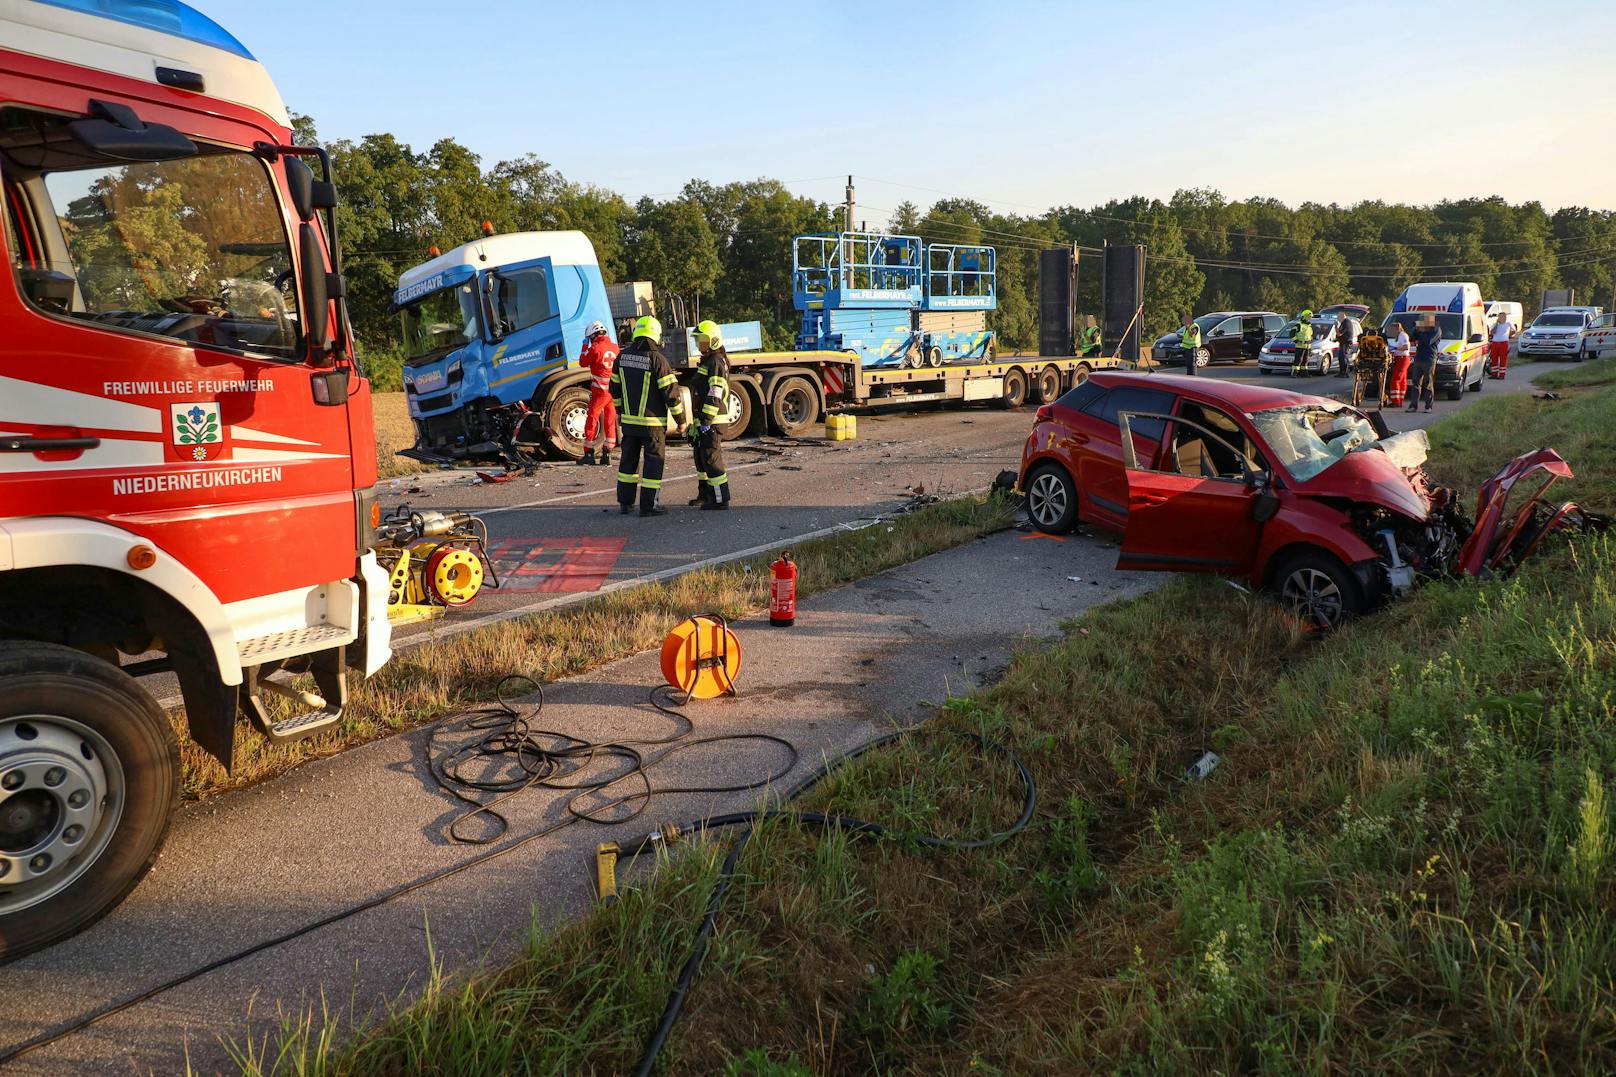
[[564, 419], [89, 779], [1014, 391], [1080, 374], [1048, 386], [737, 415], [794, 408]]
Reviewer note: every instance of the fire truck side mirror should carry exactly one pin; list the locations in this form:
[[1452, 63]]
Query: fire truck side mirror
[[330, 387], [308, 194], [315, 300], [300, 181]]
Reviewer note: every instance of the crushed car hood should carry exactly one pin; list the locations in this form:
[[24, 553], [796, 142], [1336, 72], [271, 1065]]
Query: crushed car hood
[[1372, 477]]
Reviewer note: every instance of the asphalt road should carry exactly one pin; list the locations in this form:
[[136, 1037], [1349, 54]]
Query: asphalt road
[[558, 532]]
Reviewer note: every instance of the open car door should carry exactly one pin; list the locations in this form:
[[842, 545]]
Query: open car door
[[1202, 508]]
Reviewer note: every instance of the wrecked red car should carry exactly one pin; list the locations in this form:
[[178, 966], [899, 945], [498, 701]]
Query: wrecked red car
[[1299, 495]]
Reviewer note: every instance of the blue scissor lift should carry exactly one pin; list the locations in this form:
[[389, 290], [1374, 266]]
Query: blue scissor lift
[[893, 299]]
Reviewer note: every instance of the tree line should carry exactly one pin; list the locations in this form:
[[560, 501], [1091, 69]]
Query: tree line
[[727, 248]]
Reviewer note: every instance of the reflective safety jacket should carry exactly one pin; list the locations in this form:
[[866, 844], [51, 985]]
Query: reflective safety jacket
[[1090, 338], [644, 387], [712, 383], [1303, 337], [1190, 336]]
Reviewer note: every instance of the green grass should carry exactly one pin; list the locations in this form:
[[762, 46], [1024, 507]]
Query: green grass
[[1404, 862]]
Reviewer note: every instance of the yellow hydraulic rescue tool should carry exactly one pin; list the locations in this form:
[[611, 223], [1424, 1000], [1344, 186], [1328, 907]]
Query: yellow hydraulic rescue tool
[[435, 560]]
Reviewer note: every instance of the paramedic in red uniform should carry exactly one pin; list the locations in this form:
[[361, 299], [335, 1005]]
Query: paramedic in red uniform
[[1498, 347], [599, 355]]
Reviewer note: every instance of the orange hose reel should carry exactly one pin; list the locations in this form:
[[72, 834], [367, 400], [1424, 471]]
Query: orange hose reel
[[701, 657]]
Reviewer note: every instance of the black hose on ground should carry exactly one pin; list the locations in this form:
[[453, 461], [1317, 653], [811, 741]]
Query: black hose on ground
[[543, 759]]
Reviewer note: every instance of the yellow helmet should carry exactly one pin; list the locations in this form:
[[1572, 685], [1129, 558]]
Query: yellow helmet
[[648, 327], [708, 336]]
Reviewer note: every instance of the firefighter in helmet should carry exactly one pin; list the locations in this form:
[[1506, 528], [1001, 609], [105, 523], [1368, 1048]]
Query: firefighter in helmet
[[708, 396], [646, 394]]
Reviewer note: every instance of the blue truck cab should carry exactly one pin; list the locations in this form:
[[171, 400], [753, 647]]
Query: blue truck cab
[[492, 333]]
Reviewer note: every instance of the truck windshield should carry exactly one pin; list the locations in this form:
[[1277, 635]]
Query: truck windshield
[[193, 249], [1558, 319], [439, 322], [1307, 438]]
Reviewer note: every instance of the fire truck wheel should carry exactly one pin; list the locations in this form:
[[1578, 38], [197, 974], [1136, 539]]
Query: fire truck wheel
[[89, 779], [737, 412], [564, 420], [794, 408]]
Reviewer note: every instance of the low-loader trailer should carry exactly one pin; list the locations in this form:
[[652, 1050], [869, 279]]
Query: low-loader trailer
[[493, 330]]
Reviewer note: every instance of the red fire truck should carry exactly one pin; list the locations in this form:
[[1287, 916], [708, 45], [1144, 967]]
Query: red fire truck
[[187, 468]]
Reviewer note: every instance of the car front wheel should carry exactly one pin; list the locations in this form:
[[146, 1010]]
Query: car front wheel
[[1052, 499], [1203, 357], [1318, 589]]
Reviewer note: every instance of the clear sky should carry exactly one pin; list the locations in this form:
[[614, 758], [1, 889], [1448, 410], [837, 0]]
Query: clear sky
[[1019, 104]]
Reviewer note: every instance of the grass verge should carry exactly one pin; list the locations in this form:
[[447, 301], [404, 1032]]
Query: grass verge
[[433, 678], [1404, 863]]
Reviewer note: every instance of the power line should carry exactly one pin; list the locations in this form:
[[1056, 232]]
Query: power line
[[1052, 210]]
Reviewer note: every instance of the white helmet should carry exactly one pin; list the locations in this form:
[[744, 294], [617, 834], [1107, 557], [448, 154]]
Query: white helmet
[[595, 330]]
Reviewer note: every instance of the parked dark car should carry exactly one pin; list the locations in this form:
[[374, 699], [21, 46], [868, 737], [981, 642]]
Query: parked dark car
[[1227, 336]]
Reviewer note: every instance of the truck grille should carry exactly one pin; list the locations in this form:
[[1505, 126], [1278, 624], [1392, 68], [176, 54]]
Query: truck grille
[[436, 403]]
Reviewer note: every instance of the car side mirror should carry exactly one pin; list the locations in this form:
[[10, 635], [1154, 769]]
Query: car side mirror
[[1264, 502], [1475, 338]]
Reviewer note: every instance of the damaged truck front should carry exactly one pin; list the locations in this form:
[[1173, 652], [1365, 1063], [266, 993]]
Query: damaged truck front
[[1319, 505]]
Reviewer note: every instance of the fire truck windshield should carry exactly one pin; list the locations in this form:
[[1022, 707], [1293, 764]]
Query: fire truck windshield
[[193, 248], [440, 322]]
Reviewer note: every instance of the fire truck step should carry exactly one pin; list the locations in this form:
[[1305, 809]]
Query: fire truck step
[[303, 725], [293, 642]]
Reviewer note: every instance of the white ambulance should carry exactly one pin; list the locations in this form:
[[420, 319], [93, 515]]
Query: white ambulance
[[1460, 315]]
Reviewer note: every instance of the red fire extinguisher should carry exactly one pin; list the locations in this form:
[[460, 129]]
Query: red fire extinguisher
[[783, 592]]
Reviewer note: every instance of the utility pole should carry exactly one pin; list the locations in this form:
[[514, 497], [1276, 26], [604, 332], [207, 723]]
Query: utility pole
[[849, 247]]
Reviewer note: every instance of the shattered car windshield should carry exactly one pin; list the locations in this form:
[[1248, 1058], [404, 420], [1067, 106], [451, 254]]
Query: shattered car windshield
[[1307, 438]]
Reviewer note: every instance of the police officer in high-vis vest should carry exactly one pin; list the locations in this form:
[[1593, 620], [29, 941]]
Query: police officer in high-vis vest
[[1189, 337], [707, 400], [646, 394]]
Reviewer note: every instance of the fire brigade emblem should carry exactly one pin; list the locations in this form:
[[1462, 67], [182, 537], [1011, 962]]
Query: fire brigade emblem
[[195, 432]]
